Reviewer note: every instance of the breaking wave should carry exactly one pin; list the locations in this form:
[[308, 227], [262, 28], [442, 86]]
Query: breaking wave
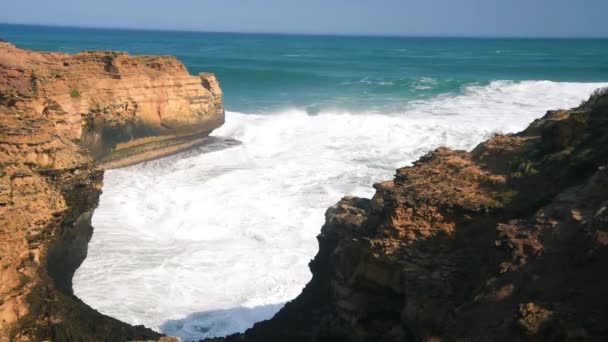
[[210, 241]]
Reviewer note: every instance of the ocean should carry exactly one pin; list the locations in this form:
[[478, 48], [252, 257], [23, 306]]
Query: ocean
[[208, 242]]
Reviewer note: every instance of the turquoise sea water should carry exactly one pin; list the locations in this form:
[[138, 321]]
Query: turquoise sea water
[[261, 73], [208, 242]]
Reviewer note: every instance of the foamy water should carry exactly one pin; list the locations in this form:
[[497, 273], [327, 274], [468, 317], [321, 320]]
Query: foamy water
[[208, 242]]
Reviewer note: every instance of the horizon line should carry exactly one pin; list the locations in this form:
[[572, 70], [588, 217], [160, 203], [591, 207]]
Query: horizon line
[[322, 34]]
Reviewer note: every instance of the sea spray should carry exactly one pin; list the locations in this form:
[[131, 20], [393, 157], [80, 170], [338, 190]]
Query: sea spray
[[206, 244]]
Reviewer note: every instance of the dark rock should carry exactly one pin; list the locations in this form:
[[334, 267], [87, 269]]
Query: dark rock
[[456, 248]]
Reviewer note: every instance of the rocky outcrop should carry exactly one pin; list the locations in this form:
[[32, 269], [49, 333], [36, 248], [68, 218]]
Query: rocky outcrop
[[506, 243], [60, 115], [124, 109]]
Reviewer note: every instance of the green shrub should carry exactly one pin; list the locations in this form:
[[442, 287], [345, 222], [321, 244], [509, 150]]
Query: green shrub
[[74, 94], [519, 167]]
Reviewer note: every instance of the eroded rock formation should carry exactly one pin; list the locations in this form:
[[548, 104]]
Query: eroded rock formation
[[60, 115], [124, 109], [506, 243]]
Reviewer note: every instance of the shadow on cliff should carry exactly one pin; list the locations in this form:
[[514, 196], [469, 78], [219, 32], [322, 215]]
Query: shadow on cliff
[[216, 323]]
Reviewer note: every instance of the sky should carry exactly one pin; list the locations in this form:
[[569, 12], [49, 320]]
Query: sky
[[494, 18]]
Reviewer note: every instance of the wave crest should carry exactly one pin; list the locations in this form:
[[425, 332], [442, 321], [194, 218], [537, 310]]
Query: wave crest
[[216, 232]]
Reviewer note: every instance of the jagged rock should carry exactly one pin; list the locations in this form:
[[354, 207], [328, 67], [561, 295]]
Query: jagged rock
[[505, 243], [508, 242], [532, 318]]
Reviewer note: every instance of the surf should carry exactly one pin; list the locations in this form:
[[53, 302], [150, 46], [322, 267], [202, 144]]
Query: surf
[[208, 242]]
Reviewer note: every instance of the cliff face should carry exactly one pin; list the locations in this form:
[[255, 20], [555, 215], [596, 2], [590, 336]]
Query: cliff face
[[124, 109], [507, 243], [60, 115]]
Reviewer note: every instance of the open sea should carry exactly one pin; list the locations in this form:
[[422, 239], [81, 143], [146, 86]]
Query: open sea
[[208, 242]]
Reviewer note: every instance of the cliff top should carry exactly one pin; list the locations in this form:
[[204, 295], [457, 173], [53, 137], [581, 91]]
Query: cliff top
[[45, 65]]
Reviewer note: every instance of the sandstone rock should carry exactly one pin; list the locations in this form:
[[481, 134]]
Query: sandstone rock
[[123, 108], [60, 115]]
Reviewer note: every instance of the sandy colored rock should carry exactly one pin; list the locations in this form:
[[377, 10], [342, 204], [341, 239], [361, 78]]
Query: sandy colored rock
[[61, 116], [116, 105]]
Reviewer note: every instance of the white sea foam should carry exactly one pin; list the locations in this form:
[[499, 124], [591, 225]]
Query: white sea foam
[[206, 244]]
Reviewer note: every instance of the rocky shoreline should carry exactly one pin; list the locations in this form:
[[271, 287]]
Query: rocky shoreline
[[508, 242], [62, 118]]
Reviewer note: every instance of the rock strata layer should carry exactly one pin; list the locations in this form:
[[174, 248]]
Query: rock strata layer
[[61, 117], [124, 109], [506, 243]]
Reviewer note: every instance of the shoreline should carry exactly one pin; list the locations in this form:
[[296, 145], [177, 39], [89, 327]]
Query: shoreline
[[151, 151], [150, 155]]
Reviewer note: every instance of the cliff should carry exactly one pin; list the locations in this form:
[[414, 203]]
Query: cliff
[[61, 117], [124, 109], [506, 243]]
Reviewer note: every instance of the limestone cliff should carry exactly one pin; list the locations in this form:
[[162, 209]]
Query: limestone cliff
[[60, 115], [124, 109], [506, 243]]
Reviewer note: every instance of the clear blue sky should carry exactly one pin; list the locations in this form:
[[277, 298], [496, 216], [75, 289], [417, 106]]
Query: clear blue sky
[[522, 18]]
